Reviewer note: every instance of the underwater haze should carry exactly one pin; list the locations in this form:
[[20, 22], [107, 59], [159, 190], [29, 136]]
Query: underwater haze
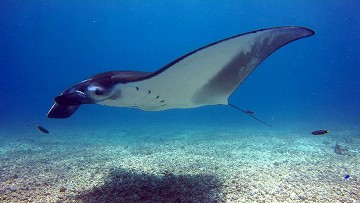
[[310, 84]]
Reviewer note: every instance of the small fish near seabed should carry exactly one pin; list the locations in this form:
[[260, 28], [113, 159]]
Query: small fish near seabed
[[42, 129], [320, 132], [347, 177]]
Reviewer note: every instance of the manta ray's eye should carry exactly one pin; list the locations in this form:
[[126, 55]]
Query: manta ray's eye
[[96, 90], [99, 92]]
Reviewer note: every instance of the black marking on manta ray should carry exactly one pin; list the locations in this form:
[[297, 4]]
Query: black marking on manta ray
[[137, 88], [149, 91], [215, 85], [212, 44], [162, 101], [157, 97]]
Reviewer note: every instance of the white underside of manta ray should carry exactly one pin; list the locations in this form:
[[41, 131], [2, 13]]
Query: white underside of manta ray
[[205, 76]]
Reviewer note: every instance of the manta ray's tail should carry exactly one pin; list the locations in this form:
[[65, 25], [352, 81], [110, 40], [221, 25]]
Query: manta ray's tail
[[247, 113]]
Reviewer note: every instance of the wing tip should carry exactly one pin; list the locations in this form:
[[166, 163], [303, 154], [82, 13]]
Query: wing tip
[[305, 32]]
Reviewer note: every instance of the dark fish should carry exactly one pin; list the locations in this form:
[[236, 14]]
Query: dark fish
[[320, 132], [42, 129], [347, 177], [250, 112]]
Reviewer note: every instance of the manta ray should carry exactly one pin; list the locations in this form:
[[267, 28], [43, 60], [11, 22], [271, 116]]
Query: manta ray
[[205, 76]]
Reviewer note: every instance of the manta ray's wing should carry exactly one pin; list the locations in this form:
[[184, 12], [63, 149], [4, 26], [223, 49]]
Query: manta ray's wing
[[210, 74]]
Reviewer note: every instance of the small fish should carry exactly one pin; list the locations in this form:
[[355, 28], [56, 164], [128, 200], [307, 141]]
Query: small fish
[[347, 177], [250, 112], [42, 129], [320, 132]]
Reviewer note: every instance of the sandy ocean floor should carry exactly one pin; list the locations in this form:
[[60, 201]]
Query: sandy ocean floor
[[164, 164]]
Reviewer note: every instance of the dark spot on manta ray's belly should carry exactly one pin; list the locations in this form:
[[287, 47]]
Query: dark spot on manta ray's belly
[[157, 97], [162, 101], [149, 91], [137, 88]]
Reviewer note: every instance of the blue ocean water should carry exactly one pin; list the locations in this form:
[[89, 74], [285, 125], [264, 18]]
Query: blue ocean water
[[47, 46], [206, 154]]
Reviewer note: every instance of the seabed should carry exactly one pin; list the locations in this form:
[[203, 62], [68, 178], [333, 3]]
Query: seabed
[[172, 164]]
